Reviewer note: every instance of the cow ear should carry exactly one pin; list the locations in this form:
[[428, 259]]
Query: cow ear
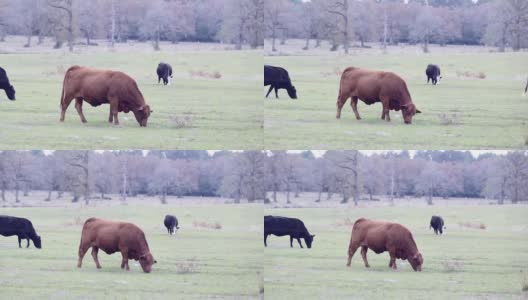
[[313, 235]]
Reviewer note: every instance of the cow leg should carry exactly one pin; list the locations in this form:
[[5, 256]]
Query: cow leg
[[364, 250], [392, 262], [27, 241], [94, 255], [276, 93], [19, 240], [341, 100], [82, 252], [351, 250], [78, 107], [291, 241], [269, 91], [300, 244], [385, 113], [110, 116], [64, 106], [114, 109], [265, 240], [354, 103], [124, 262]]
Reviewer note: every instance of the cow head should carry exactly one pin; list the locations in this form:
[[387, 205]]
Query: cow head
[[146, 261], [408, 112], [416, 262], [308, 240], [37, 242], [142, 115], [292, 92], [10, 92]]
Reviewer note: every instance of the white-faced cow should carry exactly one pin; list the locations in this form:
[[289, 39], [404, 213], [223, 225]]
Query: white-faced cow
[[164, 72], [103, 86], [6, 86], [433, 73], [278, 78], [375, 86]]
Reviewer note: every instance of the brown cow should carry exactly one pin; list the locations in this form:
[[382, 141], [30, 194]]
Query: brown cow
[[103, 86], [382, 236], [375, 86], [111, 237]]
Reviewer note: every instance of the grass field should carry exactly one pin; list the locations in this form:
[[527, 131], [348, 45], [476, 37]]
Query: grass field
[[462, 112], [464, 263], [197, 262], [195, 112]]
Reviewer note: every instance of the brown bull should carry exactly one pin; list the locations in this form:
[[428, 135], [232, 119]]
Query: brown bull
[[379, 237], [112, 237], [103, 86], [375, 86]]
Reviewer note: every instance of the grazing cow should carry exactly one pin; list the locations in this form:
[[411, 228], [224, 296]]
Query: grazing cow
[[278, 78], [281, 226], [164, 72], [433, 73], [20, 227], [437, 223], [112, 237], [375, 86], [103, 86], [382, 236], [6, 86], [171, 223]]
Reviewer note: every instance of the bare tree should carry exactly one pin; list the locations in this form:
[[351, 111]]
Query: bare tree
[[66, 7], [340, 8]]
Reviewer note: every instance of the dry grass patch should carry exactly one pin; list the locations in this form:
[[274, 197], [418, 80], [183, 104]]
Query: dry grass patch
[[469, 74], [450, 118], [472, 225], [202, 224], [204, 74]]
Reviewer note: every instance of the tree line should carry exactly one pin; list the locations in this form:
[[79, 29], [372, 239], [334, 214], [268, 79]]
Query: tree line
[[117, 21], [498, 23], [353, 176], [261, 175], [87, 175]]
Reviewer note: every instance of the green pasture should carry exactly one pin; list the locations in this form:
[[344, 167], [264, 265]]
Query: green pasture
[[195, 112], [464, 263], [198, 262], [462, 112]]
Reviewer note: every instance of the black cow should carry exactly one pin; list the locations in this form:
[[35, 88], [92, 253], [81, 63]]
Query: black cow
[[164, 72], [20, 227], [281, 226], [433, 73], [437, 223], [6, 86], [278, 78], [171, 222]]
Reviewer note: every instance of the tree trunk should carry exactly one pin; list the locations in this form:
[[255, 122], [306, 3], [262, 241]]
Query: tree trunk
[[113, 16], [346, 43], [16, 192], [307, 44], [49, 195], [28, 44], [385, 25], [2, 194], [319, 196], [163, 197], [275, 195]]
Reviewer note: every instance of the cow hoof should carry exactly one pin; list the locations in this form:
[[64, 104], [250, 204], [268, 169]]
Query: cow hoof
[[348, 265], [98, 267]]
